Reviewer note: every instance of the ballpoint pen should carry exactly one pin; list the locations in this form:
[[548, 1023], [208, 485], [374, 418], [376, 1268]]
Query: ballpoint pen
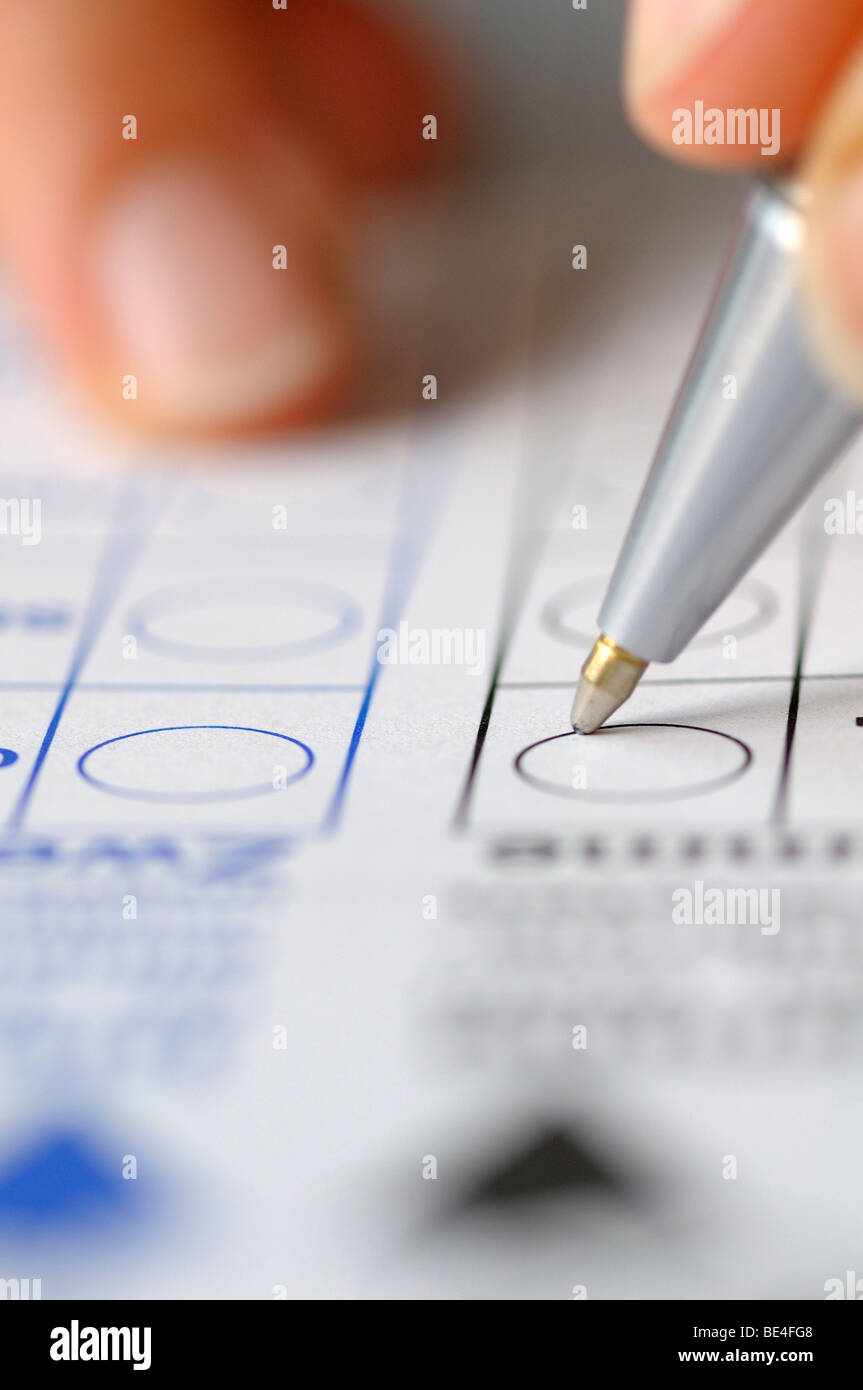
[[728, 472]]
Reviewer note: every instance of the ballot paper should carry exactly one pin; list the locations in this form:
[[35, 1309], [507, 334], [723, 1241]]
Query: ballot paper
[[333, 964]]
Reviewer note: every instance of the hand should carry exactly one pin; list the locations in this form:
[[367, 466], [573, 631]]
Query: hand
[[804, 60], [155, 154]]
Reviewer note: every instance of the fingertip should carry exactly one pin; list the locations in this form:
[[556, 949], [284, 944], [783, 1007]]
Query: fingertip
[[214, 321], [666, 45], [105, 395], [665, 39], [834, 280], [213, 305], [774, 59], [833, 261]]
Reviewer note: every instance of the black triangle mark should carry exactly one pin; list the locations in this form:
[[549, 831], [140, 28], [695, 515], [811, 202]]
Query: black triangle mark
[[551, 1163]]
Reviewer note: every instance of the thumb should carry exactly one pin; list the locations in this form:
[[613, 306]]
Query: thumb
[[177, 244]]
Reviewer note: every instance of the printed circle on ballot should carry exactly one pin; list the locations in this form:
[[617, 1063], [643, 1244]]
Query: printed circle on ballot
[[195, 764], [272, 621], [570, 614], [634, 763]]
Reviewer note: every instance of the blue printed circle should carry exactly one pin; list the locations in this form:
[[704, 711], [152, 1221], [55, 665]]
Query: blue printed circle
[[325, 616], [195, 798], [7, 757]]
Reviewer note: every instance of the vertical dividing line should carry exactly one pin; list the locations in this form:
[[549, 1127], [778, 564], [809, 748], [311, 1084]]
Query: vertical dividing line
[[424, 484], [542, 470], [525, 555], [120, 550], [462, 810], [780, 804], [811, 567]]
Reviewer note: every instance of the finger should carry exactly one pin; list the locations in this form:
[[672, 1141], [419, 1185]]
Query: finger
[[194, 277], [729, 55], [359, 88], [833, 174]]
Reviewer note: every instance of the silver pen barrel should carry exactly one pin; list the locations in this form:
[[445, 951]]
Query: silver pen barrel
[[754, 426], [729, 472]]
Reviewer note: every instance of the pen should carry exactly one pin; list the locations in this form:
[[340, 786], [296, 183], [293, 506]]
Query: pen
[[754, 425]]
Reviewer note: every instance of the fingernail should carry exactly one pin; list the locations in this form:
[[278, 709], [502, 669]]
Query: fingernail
[[664, 37], [196, 309]]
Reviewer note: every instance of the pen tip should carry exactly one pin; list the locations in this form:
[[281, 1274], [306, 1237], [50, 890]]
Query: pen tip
[[591, 707], [608, 678]]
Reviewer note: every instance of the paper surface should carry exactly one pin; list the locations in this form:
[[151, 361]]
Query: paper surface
[[295, 959], [305, 989]]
